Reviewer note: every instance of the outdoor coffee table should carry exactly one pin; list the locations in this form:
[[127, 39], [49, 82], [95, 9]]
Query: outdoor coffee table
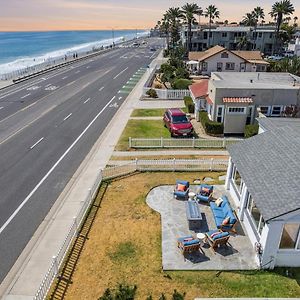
[[193, 214], [192, 195], [201, 238]]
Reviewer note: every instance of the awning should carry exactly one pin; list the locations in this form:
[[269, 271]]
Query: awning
[[192, 62], [237, 100]]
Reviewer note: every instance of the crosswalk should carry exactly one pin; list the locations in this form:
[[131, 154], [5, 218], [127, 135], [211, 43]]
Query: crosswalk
[[131, 83]]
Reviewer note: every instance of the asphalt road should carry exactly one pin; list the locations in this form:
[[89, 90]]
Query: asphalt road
[[48, 125]]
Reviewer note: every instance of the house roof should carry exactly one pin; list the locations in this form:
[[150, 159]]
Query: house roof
[[199, 89], [254, 56], [237, 100], [209, 101], [272, 123], [269, 164]]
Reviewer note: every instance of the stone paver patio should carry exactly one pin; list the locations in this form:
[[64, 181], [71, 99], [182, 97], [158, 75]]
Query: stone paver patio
[[239, 255]]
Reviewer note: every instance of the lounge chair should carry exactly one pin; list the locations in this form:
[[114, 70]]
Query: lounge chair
[[181, 189], [216, 238], [188, 244]]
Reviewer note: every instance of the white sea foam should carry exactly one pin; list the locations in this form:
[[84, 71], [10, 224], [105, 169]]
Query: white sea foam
[[27, 62]]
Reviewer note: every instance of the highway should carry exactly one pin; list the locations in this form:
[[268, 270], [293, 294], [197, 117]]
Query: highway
[[48, 125]]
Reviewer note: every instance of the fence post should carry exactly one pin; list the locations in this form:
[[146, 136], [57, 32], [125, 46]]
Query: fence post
[[174, 164], [136, 164], [211, 164], [161, 142], [193, 142], [224, 143], [130, 144], [55, 264]]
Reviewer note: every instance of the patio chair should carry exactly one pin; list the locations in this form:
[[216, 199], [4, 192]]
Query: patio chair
[[188, 244], [204, 193], [181, 189], [216, 238]]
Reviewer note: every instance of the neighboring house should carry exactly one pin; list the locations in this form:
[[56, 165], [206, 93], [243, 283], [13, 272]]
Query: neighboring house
[[262, 39], [263, 178], [234, 98], [294, 46], [219, 59]]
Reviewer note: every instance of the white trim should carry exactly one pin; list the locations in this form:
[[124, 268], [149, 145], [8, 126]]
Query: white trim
[[222, 114], [273, 106], [243, 112]]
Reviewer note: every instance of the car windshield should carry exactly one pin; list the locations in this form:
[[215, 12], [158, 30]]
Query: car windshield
[[179, 119]]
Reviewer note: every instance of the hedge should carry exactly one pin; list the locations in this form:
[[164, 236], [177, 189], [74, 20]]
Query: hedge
[[152, 93], [210, 127], [181, 84], [189, 104], [251, 130]]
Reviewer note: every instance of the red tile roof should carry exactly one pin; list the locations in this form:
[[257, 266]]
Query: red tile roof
[[199, 89], [237, 100]]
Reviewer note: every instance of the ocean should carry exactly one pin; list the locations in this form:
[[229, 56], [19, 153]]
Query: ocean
[[24, 49]]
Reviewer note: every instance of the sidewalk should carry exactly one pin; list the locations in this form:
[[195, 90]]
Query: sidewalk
[[26, 275], [5, 83], [170, 152]]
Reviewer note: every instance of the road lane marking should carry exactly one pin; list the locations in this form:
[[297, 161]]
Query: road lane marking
[[101, 89], [87, 100], [48, 85], [120, 73], [67, 117], [78, 71], [35, 144], [65, 77], [25, 96], [1, 107], [70, 83], [120, 98], [52, 168], [152, 55]]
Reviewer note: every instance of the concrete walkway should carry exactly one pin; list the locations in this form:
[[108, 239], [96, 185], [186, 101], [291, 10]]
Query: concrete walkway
[[170, 152], [25, 277], [5, 83]]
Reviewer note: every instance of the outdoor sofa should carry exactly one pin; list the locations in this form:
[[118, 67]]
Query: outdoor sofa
[[224, 216]]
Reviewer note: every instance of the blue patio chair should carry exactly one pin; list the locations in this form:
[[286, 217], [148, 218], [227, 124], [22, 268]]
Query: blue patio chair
[[181, 189], [205, 193]]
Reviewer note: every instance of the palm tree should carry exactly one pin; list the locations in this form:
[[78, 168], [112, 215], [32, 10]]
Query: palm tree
[[279, 10], [165, 28], [174, 15], [249, 19], [211, 12], [258, 13], [295, 21], [188, 11], [243, 43]]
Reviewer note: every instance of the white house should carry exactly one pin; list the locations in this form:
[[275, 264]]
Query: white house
[[263, 178], [294, 46], [219, 59]]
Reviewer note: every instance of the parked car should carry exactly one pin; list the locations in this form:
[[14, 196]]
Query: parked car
[[177, 123]]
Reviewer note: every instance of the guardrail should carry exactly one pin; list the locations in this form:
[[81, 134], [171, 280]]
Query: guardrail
[[181, 143]]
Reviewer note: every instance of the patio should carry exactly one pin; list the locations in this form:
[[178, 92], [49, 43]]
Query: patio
[[239, 255]]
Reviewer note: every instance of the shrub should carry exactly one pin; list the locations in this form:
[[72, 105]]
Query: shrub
[[181, 84], [158, 86], [152, 93], [189, 104], [251, 130], [166, 53], [210, 127]]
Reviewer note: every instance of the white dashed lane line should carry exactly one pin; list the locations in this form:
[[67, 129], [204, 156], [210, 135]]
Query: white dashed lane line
[[67, 117], [1, 107], [101, 89], [35, 144], [87, 100], [120, 73], [25, 96]]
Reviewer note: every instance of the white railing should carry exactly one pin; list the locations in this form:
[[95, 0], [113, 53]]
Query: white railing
[[168, 94], [73, 230], [113, 172], [181, 143]]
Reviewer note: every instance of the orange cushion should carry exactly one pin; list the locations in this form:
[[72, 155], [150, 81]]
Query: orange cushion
[[205, 190], [226, 221], [181, 187]]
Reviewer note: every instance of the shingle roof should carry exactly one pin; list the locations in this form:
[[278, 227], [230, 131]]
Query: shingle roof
[[199, 89], [272, 123], [269, 164], [202, 55], [248, 54]]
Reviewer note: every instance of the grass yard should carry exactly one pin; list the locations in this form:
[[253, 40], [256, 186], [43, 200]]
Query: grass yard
[[150, 112], [124, 246], [141, 129]]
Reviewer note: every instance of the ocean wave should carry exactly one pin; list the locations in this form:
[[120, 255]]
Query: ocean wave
[[50, 57]]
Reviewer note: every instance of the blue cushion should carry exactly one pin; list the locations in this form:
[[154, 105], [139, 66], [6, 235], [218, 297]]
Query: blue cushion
[[184, 182], [202, 198], [211, 231], [219, 221], [220, 235], [213, 206], [192, 242], [218, 213], [181, 239]]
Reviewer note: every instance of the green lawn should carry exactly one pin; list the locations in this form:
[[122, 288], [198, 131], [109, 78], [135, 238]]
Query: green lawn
[[150, 112], [141, 129]]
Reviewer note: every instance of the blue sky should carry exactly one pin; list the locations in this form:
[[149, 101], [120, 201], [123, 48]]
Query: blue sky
[[100, 14]]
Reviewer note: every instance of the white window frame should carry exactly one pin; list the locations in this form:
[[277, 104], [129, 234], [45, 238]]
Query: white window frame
[[257, 228], [280, 106], [230, 66], [240, 188], [222, 113], [236, 110], [269, 109], [297, 244], [204, 66]]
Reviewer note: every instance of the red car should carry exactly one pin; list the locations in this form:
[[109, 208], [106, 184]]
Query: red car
[[177, 122]]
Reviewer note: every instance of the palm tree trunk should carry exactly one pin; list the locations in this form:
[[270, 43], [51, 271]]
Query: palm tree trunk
[[209, 32], [255, 37], [189, 36]]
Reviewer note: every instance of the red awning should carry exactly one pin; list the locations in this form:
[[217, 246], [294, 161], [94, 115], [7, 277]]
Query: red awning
[[237, 100]]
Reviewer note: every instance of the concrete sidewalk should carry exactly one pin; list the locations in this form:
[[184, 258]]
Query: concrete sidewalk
[[26, 275], [5, 83], [170, 152]]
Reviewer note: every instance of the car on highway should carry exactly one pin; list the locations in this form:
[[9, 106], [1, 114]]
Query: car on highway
[[152, 49], [177, 122]]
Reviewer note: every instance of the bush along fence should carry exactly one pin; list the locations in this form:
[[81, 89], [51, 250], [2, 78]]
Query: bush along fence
[[114, 172], [181, 143], [210, 127]]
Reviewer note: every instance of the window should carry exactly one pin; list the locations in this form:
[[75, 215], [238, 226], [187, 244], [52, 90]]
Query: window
[[255, 214], [264, 110], [224, 34], [204, 66], [276, 110], [236, 110], [205, 36], [271, 36], [219, 66], [237, 180], [220, 114], [230, 66], [224, 55], [249, 116], [290, 237], [260, 34]]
